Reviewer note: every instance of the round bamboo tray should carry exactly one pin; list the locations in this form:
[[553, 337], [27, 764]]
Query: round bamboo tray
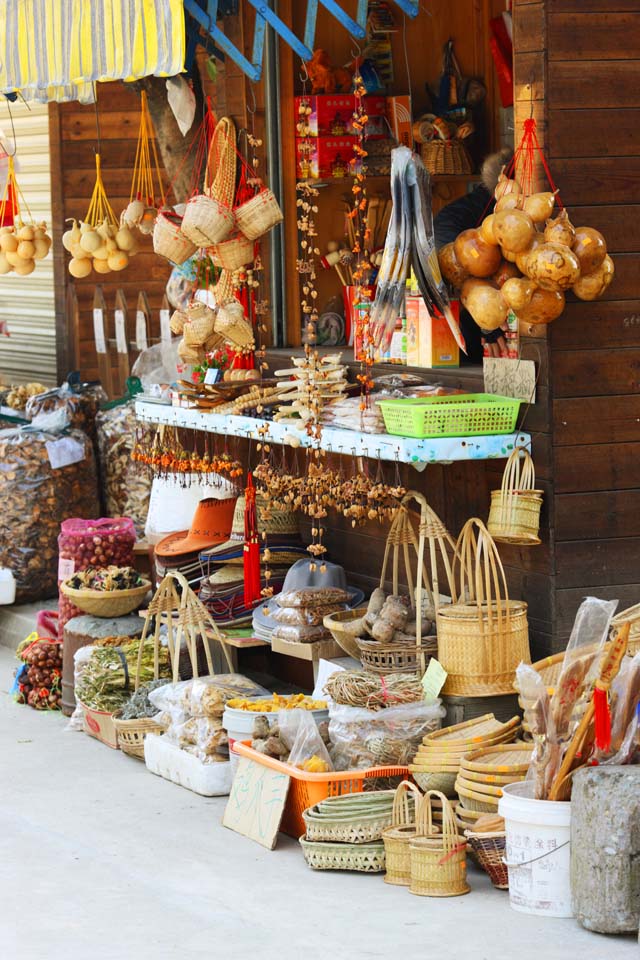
[[492, 779], [107, 603], [131, 733], [486, 789], [333, 623], [509, 758], [478, 801], [443, 782], [469, 732]]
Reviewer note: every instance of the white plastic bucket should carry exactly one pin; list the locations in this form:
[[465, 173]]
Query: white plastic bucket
[[7, 586], [239, 725], [537, 851]]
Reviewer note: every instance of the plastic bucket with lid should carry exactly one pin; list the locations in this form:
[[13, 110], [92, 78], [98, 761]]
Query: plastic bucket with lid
[[537, 851]]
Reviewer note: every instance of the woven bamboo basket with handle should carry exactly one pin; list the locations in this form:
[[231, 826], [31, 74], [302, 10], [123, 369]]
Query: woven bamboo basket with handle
[[402, 830], [185, 618], [430, 545], [438, 859], [257, 216], [515, 508], [484, 635], [168, 239]]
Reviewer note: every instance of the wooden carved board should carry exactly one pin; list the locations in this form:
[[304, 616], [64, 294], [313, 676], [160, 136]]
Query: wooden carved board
[[256, 802]]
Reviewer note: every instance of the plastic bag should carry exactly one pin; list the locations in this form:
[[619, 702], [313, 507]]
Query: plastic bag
[[300, 634], [44, 479], [38, 680], [204, 737], [203, 696], [125, 488], [157, 367], [299, 733], [369, 738], [537, 711], [623, 701], [302, 616], [81, 403], [81, 658]]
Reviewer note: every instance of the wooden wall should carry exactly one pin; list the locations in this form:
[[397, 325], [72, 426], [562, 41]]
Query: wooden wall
[[583, 57]]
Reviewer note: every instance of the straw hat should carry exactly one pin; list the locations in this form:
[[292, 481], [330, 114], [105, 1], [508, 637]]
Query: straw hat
[[281, 529], [210, 525]]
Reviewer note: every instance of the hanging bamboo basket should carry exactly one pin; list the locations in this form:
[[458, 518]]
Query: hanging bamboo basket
[[515, 508], [484, 635], [430, 548], [259, 214], [168, 239], [438, 859]]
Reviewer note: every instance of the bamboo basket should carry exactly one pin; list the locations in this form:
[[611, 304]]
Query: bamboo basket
[[480, 802], [489, 851], [334, 624], [387, 658], [107, 603], [501, 760], [234, 253], [222, 163], [515, 508], [184, 617], [168, 239], [438, 780], [430, 546], [448, 157], [177, 322], [358, 857], [396, 837], [257, 216], [356, 818], [207, 221], [483, 637], [198, 329], [438, 860]]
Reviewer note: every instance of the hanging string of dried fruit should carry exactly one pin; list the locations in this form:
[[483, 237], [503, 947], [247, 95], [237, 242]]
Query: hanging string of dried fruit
[[99, 242], [21, 243], [521, 259], [363, 339], [147, 192], [164, 455]]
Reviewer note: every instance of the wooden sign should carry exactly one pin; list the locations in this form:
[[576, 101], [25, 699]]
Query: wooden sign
[[510, 378], [256, 802]]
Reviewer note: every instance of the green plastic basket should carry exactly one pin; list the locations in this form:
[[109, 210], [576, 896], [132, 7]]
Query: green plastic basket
[[459, 415]]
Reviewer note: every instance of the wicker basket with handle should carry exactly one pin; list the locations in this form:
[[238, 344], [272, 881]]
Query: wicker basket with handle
[[402, 830], [446, 157], [207, 221], [185, 618], [438, 859], [484, 635], [168, 239], [515, 508], [257, 216], [234, 253], [428, 548], [489, 850]]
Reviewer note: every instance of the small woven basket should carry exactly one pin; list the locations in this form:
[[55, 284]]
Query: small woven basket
[[189, 354], [489, 850], [258, 215], [207, 221], [438, 860], [403, 829], [446, 157], [358, 857], [233, 326], [200, 324], [515, 508], [360, 820], [481, 641], [131, 733], [434, 780], [387, 658], [168, 239], [107, 603], [234, 253], [177, 322], [335, 624]]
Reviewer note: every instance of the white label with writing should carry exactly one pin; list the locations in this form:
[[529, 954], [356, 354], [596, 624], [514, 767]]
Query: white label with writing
[[433, 680], [98, 330], [165, 329], [141, 330], [63, 452], [66, 568], [121, 332], [212, 375]]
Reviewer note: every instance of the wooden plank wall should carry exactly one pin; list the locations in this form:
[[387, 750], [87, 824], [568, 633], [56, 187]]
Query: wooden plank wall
[[592, 143]]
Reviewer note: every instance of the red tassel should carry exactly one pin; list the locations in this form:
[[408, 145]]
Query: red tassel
[[251, 560], [603, 719]]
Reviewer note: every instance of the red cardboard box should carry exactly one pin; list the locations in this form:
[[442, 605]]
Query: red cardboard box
[[325, 158], [399, 117], [332, 115]]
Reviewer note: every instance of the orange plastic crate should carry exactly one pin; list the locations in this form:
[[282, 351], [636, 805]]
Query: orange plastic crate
[[307, 789]]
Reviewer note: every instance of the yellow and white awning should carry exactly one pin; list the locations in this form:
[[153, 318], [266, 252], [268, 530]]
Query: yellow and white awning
[[56, 49]]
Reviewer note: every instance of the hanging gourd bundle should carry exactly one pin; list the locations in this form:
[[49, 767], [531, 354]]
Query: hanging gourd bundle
[[522, 259], [99, 242], [147, 195], [21, 243]]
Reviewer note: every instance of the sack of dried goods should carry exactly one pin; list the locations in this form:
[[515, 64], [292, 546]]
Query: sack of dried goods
[[37, 681], [124, 487]]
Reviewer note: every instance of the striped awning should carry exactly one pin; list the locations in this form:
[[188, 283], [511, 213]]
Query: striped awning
[[56, 49]]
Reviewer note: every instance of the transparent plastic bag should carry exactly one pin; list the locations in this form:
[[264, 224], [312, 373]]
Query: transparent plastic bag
[[80, 403], [203, 696], [299, 733], [363, 738], [623, 701], [158, 366], [300, 634], [302, 616], [125, 488], [537, 711], [45, 478]]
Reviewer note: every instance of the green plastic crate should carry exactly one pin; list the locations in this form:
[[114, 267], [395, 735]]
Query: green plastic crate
[[459, 415]]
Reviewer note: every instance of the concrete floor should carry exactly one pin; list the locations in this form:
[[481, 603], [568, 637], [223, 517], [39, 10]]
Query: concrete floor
[[100, 859]]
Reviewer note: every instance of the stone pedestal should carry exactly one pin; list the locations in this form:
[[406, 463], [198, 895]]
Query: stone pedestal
[[605, 848]]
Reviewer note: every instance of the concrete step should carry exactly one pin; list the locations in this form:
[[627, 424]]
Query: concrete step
[[17, 621]]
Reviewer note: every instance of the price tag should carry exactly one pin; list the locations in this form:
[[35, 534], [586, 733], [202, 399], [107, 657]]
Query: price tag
[[98, 331], [121, 332], [165, 329], [66, 568], [64, 452], [433, 680], [141, 330]]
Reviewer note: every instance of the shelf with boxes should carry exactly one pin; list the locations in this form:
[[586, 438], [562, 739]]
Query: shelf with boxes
[[352, 442]]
